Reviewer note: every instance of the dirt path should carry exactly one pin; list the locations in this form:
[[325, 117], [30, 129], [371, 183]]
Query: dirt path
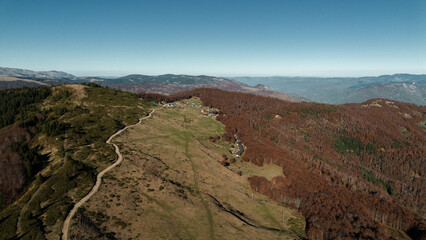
[[66, 226]]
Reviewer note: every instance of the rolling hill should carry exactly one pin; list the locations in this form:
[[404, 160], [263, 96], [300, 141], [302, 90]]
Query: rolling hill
[[404, 92], [24, 73], [399, 87], [208, 164], [163, 84], [352, 170], [169, 84], [53, 146]]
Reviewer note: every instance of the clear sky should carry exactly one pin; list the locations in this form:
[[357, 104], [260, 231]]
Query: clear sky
[[217, 37]]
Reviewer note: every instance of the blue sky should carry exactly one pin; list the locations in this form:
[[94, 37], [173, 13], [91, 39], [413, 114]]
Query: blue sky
[[222, 38]]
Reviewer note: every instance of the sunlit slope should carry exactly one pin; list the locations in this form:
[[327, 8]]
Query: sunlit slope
[[171, 185], [68, 129]]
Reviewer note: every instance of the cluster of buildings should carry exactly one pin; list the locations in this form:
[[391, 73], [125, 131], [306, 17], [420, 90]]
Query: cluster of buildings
[[206, 111], [239, 149]]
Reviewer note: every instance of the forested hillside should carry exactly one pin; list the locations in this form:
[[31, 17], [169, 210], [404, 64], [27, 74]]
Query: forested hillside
[[353, 170], [19, 101], [52, 144]]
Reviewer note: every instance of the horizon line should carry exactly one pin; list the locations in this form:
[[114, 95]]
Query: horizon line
[[221, 75]]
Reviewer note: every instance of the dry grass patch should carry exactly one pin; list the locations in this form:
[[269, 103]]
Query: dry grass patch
[[171, 185]]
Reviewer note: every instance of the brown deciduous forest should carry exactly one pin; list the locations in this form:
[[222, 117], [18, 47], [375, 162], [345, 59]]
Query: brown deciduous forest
[[348, 168]]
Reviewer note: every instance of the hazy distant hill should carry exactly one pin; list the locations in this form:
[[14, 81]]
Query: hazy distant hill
[[403, 92], [169, 84], [400, 87], [164, 84], [16, 72], [13, 82]]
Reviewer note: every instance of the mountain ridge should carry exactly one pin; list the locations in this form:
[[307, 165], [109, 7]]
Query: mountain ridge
[[162, 84], [333, 90], [340, 90], [17, 72]]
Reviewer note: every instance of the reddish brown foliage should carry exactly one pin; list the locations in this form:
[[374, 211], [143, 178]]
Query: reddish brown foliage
[[346, 167], [12, 172]]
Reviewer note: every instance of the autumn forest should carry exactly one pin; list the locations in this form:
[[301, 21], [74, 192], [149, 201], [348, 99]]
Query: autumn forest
[[349, 169]]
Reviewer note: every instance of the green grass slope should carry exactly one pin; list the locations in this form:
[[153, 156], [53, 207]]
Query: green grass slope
[[70, 126], [172, 185]]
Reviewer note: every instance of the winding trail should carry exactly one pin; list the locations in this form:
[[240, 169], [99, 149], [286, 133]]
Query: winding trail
[[95, 188]]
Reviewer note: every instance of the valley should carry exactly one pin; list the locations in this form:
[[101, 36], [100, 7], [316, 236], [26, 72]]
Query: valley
[[207, 164], [351, 170], [212, 120], [171, 185]]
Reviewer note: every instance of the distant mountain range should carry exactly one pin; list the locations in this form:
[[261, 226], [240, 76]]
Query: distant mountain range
[[404, 92], [164, 84], [16, 72], [337, 90], [400, 87]]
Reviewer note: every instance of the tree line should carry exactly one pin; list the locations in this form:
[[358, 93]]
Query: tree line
[[19, 101], [363, 165]]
